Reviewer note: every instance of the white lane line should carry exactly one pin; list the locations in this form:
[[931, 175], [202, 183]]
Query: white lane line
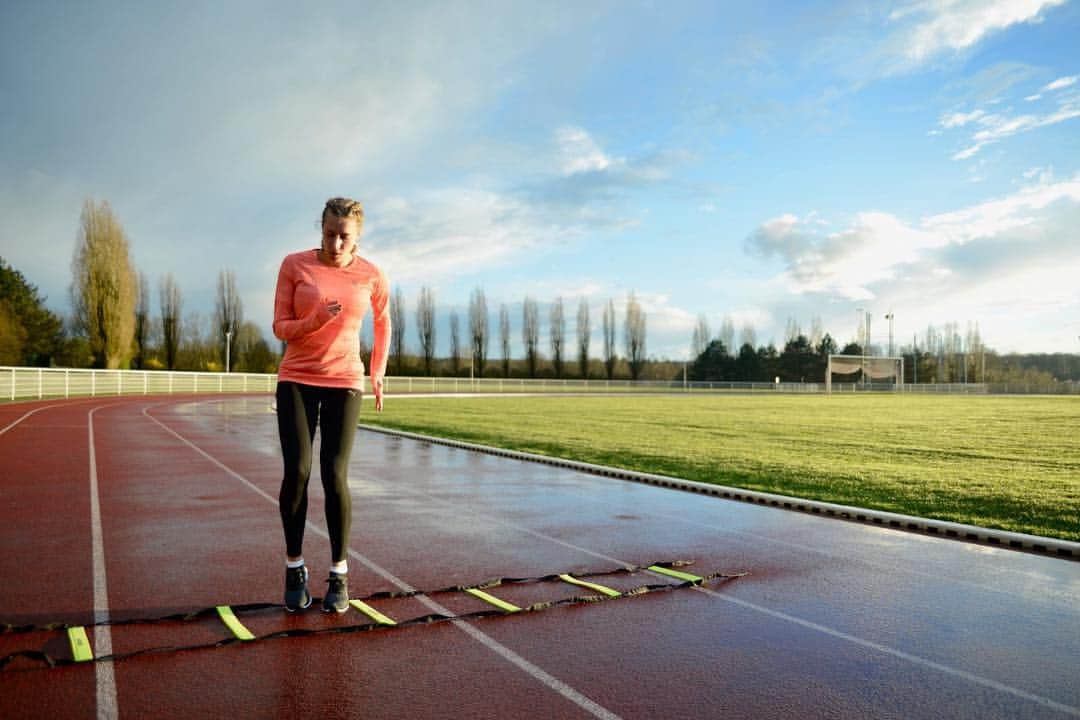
[[107, 708], [539, 674], [869, 644], [28, 414]]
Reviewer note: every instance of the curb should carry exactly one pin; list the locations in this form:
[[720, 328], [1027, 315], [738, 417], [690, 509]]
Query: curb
[[1051, 547]]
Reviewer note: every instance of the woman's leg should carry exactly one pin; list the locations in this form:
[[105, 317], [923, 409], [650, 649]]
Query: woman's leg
[[297, 413], [337, 428]]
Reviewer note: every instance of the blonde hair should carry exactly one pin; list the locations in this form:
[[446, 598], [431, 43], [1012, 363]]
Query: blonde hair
[[343, 208]]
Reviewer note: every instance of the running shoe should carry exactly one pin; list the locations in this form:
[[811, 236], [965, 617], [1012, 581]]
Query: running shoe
[[337, 593], [297, 596]]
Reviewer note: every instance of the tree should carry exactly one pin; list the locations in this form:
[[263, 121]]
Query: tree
[[530, 333], [748, 366], [635, 336], [253, 354], [425, 326], [557, 333], [748, 335], [30, 334], [142, 322], [171, 307], [714, 363], [103, 287], [455, 343], [583, 334], [478, 329], [797, 359], [701, 337], [228, 315], [609, 339], [397, 329], [727, 333], [504, 337]]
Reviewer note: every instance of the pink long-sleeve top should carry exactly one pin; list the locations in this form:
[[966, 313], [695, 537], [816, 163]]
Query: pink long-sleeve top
[[324, 349]]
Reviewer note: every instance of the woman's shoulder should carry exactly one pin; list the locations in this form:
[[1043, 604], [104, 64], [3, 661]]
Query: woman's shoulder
[[366, 267], [300, 257]]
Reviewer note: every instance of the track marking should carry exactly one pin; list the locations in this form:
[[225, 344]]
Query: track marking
[[484, 639], [28, 414], [107, 708], [840, 635]]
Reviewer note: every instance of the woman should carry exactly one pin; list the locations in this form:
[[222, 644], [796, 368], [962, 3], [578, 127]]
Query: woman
[[321, 298]]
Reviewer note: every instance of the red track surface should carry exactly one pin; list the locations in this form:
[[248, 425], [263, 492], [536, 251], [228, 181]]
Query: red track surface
[[834, 619]]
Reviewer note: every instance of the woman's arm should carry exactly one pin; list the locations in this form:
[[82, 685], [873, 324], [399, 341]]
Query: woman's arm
[[380, 311], [286, 325]]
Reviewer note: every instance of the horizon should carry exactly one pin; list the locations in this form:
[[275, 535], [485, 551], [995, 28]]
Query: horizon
[[768, 163]]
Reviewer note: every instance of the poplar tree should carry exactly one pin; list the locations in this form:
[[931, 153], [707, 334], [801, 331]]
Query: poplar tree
[[104, 286]]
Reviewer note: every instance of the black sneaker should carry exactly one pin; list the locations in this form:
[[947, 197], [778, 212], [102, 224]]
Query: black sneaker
[[297, 596], [337, 593]]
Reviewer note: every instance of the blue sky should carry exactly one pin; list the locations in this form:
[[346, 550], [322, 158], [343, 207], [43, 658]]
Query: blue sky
[[760, 162]]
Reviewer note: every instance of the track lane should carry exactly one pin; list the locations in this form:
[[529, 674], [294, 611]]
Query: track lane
[[448, 470], [674, 655]]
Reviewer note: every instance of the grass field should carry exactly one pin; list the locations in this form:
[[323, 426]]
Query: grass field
[[1004, 462]]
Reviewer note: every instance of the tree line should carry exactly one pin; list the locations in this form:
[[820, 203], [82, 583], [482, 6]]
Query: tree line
[[112, 324]]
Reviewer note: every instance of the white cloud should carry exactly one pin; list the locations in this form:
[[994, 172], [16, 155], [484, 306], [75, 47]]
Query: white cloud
[[937, 26], [580, 153], [994, 127], [1062, 82], [1008, 261]]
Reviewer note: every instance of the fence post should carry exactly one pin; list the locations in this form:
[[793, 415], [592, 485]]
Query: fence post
[[93, 383], [144, 382], [67, 383], [13, 384]]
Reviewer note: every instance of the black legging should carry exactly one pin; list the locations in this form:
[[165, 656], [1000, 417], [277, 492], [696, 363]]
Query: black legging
[[335, 410]]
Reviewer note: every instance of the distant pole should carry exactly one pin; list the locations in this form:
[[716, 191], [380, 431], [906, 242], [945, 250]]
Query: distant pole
[[915, 359], [889, 317], [228, 347], [862, 355]]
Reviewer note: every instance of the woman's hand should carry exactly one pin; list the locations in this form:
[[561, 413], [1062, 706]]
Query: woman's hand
[[376, 385]]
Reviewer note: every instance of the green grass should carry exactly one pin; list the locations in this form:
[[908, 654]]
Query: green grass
[[1003, 462]]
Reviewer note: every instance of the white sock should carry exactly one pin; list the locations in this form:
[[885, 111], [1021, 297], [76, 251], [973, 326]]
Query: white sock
[[294, 563], [340, 568]]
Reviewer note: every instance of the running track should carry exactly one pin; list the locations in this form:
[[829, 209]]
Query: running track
[[140, 507]]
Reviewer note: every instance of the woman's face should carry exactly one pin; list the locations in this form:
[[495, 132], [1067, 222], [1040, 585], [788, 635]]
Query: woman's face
[[339, 238]]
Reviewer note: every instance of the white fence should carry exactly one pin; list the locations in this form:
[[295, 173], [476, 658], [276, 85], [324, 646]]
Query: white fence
[[20, 383]]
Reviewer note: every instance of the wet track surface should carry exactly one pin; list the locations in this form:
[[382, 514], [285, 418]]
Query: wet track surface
[[834, 619]]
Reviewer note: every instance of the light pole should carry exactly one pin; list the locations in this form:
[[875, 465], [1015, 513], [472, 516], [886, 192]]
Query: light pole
[[228, 347], [889, 317], [862, 355]]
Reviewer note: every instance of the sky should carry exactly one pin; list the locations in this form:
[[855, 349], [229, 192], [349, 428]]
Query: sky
[[769, 163]]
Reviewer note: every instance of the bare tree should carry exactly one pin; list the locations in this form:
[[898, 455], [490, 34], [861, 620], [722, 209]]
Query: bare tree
[[792, 329], [455, 343], [727, 334], [228, 315], [635, 336], [104, 286], [583, 335], [425, 326], [609, 339], [530, 332], [557, 332], [478, 329], [397, 328], [171, 307], [748, 335], [817, 330], [142, 322], [504, 337], [702, 336]]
